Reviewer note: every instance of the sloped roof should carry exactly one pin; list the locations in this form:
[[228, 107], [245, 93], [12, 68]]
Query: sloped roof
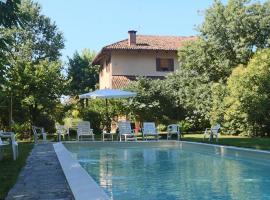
[[147, 42], [152, 42]]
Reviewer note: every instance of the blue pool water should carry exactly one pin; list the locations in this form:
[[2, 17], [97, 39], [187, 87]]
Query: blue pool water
[[155, 173]]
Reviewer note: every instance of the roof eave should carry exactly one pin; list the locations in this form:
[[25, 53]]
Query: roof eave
[[99, 56]]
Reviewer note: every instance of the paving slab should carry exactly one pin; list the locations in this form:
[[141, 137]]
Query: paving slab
[[42, 177]]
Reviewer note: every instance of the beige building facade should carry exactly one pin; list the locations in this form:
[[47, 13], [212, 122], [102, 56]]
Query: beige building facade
[[147, 56]]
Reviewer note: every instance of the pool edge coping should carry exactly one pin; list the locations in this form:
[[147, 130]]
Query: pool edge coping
[[179, 142], [82, 185], [229, 147]]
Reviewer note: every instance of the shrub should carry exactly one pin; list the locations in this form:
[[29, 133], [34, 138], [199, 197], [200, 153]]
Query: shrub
[[162, 127]]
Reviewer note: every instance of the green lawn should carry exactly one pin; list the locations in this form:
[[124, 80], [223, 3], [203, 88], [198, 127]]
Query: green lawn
[[239, 141], [9, 169], [229, 140]]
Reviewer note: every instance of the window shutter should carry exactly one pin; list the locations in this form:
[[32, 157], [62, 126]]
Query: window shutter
[[171, 64], [158, 68]]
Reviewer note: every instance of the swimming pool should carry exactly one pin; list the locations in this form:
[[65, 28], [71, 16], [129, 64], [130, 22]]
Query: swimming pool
[[174, 170]]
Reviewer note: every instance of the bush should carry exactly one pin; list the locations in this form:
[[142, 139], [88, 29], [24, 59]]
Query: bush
[[22, 130], [248, 102], [162, 127], [185, 125]]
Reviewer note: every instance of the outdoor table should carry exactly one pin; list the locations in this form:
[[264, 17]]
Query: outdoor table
[[108, 135]]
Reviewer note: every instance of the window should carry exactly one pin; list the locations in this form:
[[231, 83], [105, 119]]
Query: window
[[164, 64]]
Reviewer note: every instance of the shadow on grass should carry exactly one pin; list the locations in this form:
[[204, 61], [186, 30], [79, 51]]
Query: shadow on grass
[[9, 169]]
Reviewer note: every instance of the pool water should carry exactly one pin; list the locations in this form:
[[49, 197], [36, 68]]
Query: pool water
[[154, 173]]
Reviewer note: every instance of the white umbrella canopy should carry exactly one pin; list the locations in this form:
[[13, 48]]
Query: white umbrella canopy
[[107, 94]]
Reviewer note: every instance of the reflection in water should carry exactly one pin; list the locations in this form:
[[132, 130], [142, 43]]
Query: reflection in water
[[171, 173]]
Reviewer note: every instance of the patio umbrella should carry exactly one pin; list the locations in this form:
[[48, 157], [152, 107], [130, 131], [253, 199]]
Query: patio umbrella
[[107, 94]]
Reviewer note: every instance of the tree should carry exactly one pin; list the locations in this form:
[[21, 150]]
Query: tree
[[237, 29], [248, 101], [8, 17], [9, 13], [83, 76], [153, 102], [229, 36], [33, 72], [192, 96]]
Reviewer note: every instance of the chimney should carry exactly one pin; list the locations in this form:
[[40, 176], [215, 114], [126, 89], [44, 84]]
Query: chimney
[[132, 37]]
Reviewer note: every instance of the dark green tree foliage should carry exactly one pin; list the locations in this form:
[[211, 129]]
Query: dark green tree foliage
[[33, 71], [228, 37], [82, 74], [192, 96], [9, 13], [237, 29], [153, 101], [8, 17]]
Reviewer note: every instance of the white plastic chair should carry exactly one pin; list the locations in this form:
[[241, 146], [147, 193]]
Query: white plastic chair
[[149, 129], [84, 130], [173, 129], [39, 131], [14, 144], [72, 126], [212, 132], [126, 131], [61, 130]]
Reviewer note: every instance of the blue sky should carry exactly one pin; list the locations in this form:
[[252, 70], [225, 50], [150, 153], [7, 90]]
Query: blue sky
[[95, 23]]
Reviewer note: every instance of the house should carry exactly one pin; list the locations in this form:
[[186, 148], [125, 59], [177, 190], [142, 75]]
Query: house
[[140, 55]]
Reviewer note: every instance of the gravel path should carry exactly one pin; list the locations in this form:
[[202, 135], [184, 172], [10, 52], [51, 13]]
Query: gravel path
[[41, 178]]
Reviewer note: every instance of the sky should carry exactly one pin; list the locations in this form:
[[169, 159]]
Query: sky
[[93, 24]]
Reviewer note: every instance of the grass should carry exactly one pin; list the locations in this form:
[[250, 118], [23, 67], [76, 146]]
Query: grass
[[9, 169], [229, 140]]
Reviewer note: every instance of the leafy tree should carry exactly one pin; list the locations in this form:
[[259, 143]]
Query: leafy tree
[[192, 96], [8, 17], [32, 72], [235, 30], [248, 100], [82, 74], [229, 36], [9, 13], [153, 101]]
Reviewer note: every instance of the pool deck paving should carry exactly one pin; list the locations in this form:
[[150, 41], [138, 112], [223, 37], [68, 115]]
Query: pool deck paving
[[42, 177]]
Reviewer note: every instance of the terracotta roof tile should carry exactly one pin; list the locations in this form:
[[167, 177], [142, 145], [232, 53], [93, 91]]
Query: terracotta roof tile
[[119, 82], [152, 42]]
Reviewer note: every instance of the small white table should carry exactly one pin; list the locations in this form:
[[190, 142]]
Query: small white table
[[108, 135]]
